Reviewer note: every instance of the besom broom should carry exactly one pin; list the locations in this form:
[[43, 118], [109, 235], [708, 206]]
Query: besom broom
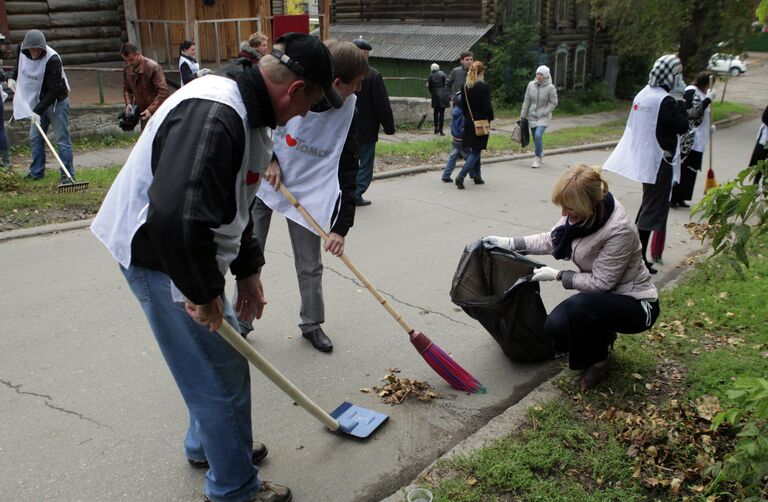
[[438, 360]]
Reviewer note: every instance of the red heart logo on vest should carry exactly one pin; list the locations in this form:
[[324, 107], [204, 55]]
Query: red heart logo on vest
[[252, 178], [290, 141], [636, 106]]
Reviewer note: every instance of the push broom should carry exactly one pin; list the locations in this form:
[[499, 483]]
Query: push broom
[[711, 181], [442, 363], [72, 186]]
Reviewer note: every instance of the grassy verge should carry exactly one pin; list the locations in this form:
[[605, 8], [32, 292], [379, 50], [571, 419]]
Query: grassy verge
[[726, 109], [502, 143], [645, 432], [35, 203]]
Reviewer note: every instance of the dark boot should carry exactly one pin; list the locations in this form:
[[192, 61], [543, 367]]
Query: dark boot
[[459, 183], [5, 159]]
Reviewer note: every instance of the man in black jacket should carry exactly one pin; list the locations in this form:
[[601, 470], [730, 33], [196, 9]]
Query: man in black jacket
[[40, 94], [177, 219], [373, 110]]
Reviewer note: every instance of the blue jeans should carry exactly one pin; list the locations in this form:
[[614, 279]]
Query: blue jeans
[[471, 165], [458, 151], [367, 152], [56, 115], [538, 139], [215, 383]]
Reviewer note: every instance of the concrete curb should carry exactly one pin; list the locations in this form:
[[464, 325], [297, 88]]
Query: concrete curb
[[76, 225], [53, 228], [512, 419]]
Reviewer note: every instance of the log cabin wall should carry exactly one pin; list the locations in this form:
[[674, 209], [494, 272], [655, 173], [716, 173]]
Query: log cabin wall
[[82, 31], [153, 39]]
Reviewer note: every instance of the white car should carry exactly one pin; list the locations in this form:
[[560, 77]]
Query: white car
[[725, 63]]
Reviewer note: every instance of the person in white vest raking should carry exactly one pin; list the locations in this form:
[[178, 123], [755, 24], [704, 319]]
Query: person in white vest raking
[[177, 219], [189, 68], [698, 97], [648, 150], [40, 94], [318, 159]]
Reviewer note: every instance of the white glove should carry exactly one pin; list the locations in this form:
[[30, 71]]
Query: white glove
[[494, 241], [202, 72], [545, 274], [711, 94], [35, 118], [12, 84]]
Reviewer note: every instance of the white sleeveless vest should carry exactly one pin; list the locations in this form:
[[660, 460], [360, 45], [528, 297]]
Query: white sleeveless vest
[[125, 207], [308, 150], [701, 133], [194, 67], [638, 154], [29, 82]]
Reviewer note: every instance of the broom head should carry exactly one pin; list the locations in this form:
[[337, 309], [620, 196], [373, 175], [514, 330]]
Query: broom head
[[68, 186], [444, 365], [711, 181]]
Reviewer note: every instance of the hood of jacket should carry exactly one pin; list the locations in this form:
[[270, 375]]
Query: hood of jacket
[[544, 70], [34, 39]]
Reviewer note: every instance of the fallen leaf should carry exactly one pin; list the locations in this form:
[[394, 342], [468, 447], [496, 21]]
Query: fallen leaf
[[366, 389], [637, 375], [632, 451], [707, 407], [674, 485], [730, 315], [723, 295], [471, 481]]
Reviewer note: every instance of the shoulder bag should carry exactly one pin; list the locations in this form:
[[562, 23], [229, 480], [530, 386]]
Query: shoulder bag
[[482, 127]]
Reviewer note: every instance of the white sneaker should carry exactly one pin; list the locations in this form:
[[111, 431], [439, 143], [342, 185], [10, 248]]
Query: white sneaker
[[536, 162]]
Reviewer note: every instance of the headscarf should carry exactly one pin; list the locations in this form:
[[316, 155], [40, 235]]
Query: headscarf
[[563, 236], [434, 67], [664, 71]]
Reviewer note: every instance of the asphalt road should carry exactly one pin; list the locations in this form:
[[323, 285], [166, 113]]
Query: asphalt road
[[88, 410]]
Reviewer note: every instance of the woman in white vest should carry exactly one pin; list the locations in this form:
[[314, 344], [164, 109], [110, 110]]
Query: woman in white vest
[[697, 98], [318, 157], [189, 69], [760, 151], [648, 149], [41, 91]]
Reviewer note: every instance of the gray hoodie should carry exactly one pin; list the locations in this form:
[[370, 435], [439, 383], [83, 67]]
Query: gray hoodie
[[540, 100]]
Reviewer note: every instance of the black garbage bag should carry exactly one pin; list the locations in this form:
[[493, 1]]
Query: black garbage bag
[[493, 286]]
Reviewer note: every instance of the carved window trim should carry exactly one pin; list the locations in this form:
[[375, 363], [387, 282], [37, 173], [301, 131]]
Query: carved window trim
[[561, 14], [580, 74], [582, 13], [561, 73]]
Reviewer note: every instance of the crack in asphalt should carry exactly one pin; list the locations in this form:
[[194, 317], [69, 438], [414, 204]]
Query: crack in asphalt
[[47, 402], [423, 310]]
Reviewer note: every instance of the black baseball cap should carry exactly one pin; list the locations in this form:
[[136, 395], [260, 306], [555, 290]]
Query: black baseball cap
[[362, 44], [309, 58]]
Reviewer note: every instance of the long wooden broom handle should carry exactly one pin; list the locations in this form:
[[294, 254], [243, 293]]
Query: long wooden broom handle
[[711, 122], [53, 150], [234, 338], [309, 219]]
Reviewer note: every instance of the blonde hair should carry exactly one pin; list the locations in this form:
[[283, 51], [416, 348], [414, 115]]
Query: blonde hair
[[580, 189], [255, 39], [476, 73]]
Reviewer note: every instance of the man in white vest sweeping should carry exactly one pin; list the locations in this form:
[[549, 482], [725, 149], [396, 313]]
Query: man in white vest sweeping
[[318, 159], [177, 219], [41, 94], [648, 151]]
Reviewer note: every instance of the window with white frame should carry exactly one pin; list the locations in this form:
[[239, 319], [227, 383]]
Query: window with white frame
[[582, 13], [580, 65], [561, 13], [561, 67]]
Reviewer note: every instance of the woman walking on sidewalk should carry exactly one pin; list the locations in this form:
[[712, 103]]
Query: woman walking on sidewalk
[[539, 103], [615, 292], [476, 97]]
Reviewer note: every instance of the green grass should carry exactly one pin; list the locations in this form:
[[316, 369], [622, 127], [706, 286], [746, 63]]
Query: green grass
[[724, 110], [575, 448], [38, 202], [500, 142]]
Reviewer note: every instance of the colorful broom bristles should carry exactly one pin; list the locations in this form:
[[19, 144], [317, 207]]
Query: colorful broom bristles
[[711, 181], [444, 365]]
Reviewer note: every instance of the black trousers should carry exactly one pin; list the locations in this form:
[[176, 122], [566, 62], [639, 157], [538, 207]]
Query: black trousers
[[584, 324], [438, 117], [683, 191]]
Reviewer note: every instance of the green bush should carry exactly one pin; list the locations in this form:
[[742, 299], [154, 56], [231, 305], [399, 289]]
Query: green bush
[[594, 98], [633, 76], [747, 467]]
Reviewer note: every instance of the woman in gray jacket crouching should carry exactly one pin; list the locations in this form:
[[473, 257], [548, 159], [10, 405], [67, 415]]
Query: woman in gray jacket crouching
[[615, 292]]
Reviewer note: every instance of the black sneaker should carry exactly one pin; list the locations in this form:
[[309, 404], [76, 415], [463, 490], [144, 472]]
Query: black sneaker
[[32, 177], [362, 202], [460, 183], [446, 180], [478, 181]]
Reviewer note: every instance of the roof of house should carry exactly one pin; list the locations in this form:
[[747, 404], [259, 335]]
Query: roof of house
[[420, 42]]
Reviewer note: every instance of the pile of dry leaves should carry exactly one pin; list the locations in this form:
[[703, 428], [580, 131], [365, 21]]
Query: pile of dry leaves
[[399, 389]]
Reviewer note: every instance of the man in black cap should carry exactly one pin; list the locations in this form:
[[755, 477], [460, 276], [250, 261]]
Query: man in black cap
[[373, 110], [177, 219]]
